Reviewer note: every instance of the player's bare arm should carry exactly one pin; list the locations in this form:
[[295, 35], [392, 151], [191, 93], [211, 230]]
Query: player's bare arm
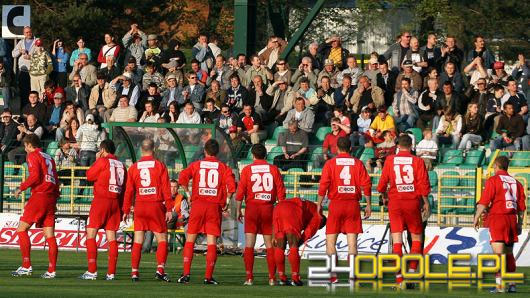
[[239, 214], [478, 214]]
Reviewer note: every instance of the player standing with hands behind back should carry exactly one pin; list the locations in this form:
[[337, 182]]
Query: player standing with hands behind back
[[212, 189], [409, 184], [40, 208], [506, 199]]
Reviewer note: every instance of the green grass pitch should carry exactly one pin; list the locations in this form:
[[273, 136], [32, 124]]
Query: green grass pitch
[[229, 272]]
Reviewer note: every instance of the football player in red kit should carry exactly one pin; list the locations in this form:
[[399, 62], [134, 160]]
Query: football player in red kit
[[212, 189], [505, 198], [260, 186], [40, 208], [108, 175], [344, 180], [290, 218], [405, 182], [148, 183]]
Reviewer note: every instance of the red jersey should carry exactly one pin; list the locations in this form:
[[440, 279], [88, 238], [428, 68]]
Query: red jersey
[[43, 178], [108, 175], [407, 176], [260, 183], [148, 178], [212, 180], [310, 217], [503, 194], [343, 177], [330, 141]]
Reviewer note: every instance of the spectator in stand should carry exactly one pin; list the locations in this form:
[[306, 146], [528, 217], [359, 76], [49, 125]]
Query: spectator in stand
[[151, 95], [202, 75], [416, 81], [239, 66], [134, 42], [61, 58], [102, 97], [341, 96], [451, 74], [363, 124], [249, 126], [271, 53], [332, 49], [50, 88], [482, 52], [8, 131], [382, 151], [7, 80], [171, 114], [432, 73], [189, 115], [312, 53], [40, 67], [294, 143], [427, 149], [227, 121], [494, 108], [171, 94], [449, 129], [149, 115], [70, 133], [283, 73], [382, 122], [480, 96], [88, 137], [65, 157], [211, 112], [54, 113], [453, 100], [511, 129], [35, 108], [521, 73], [236, 95], [78, 92], [215, 93], [152, 53], [344, 120], [134, 71], [220, 73], [386, 80], [202, 53], [329, 147], [151, 75], [322, 100], [124, 112], [373, 67], [109, 49], [193, 93], [88, 72], [500, 76], [305, 92], [213, 44], [282, 100], [405, 106], [416, 55], [23, 51], [71, 113], [81, 49], [329, 71], [475, 71], [112, 69], [471, 128], [124, 86], [305, 70], [31, 126], [451, 53], [304, 117], [261, 100], [518, 100], [396, 52], [366, 95], [431, 52], [173, 53], [257, 69]]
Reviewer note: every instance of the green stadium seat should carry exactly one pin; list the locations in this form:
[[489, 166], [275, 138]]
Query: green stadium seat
[[65, 195], [520, 159], [468, 206], [290, 179], [367, 154], [322, 132], [524, 178], [52, 148], [375, 204], [453, 157], [469, 183], [273, 153], [474, 159], [433, 178], [445, 203], [447, 182], [418, 134]]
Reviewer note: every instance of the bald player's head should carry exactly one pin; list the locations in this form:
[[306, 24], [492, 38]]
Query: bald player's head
[[148, 146]]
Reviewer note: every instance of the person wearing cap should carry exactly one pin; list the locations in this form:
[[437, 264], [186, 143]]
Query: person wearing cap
[[366, 94], [352, 70], [332, 49], [88, 72], [452, 75], [135, 42], [171, 94], [152, 53], [500, 76], [396, 52], [373, 67], [221, 73], [416, 80], [124, 86], [41, 65], [174, 70], [23, 51], [102, 97], [109, 49], [329, 71], [202, 53], [54, 113]]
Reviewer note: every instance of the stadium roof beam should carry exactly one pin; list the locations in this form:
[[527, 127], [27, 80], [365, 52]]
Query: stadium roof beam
[[244, 26]]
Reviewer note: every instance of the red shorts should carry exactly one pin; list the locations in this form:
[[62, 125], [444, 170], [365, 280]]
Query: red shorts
[[503, 228], [150, 216], [205, 218], [287, 219], [406, 215], [344, 216], [40, 210], [258, 219], [104, 214]]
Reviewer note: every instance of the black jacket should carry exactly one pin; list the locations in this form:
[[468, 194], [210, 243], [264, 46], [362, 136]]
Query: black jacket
[[82, 95], [387, 87], [8, 135]]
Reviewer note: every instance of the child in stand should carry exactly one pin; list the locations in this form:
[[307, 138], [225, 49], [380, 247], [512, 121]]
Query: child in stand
[[427, 149]]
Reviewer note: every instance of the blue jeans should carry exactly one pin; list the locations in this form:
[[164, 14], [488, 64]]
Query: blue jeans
[[499, 143], [468, 140], [6, 93]]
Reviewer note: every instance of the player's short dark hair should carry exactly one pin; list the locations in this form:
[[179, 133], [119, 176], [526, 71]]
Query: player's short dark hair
[[173, 181], [259, 151], [34, 93], [502, 162], [148, 145], [33, 140], [406, 80], [234, 76], [405, 141], [108, 146], [211, 147], [152, 85], [344, 144]]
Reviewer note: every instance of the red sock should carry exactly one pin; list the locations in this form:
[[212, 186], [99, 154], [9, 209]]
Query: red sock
[[510, 263], [187, 257], [211, 257], [161, 256], [279, 257], [136, 255], [397, 249], [294, 260], [25, 248], [270, 262], [113, 256], [52, 253], [415, 249], [248, 258], [92, 255]]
